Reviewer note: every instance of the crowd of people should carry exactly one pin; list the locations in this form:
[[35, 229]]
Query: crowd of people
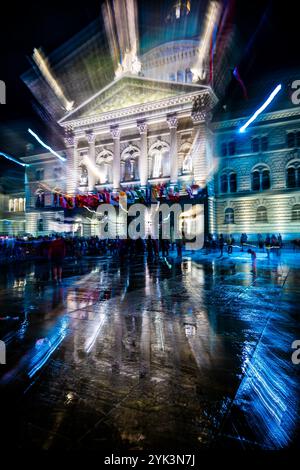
[[271, 243], [44, 247], [56, 248]]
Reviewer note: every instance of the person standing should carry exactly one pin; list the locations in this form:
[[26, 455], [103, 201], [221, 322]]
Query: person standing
[[244, 239], [221, 244], [57, 253], [230, 244], [179, 247], [149, 246], [268, 245], [253, 259]]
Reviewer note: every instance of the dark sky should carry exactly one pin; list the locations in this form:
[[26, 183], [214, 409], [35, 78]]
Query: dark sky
[[268, 27]]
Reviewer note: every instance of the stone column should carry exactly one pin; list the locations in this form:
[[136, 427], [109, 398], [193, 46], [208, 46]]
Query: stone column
[[91, 138], [201, 152], [143, 160], [115, 132], [173, 122], [72, 163]]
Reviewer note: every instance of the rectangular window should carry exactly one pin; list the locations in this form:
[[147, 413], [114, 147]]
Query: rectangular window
[[231, 147], [264, 143], [255, 145], [224, 149], [39, 175], [232, 183], [291, 140]]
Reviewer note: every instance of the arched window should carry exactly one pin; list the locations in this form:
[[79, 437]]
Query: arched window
[[293, 174], [296, 213], [224, 183], [265, 182], [232, 183], [261, 214], [160, 154], [185, 158], [104, 161], [255, 181], [40, 198], [228, 182], [129, 159], [21, 204], [11, 205], [291, 177], [260, 178], [229, 216]]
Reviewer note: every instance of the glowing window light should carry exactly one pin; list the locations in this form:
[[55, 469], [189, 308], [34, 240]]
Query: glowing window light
[[262, 108], [8, 157], [46, 146]]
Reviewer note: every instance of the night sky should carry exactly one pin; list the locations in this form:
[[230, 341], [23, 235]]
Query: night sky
[[268, 29]]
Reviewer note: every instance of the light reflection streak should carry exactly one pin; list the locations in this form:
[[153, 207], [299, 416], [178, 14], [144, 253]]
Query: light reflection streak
[[91, 341], [268, 393], [48, 347]]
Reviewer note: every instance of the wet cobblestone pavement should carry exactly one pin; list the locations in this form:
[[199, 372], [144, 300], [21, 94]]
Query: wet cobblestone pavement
[[192, 354]]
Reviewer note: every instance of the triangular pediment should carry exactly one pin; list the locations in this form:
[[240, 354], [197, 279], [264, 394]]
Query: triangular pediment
[[127, 92]]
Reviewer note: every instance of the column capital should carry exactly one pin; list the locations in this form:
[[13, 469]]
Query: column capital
[[91, 136], [70, 138], [142, 127], [115, 132], [172, 121]]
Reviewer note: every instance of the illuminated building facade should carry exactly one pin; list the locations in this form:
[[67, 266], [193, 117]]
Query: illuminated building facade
[[258, 179], [148, 134], [12, 213], [150, 130]]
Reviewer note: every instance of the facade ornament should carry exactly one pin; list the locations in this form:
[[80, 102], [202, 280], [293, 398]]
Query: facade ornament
[[172, 121], [142, 127], [201, 108], [69, 138], [90, 136], [115, 132]]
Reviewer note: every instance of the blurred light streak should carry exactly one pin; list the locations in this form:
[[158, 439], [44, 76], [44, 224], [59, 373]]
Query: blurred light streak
[[92, 167], [212, 19], [44, 68], [46, 146], [262, 108], [47, 347], [8, 157], [121, 25]]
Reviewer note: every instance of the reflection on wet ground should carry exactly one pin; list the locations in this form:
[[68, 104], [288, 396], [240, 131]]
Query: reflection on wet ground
[[190, 353]]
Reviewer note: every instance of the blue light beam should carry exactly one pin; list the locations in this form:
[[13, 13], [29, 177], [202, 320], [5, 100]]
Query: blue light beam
[[262, 108], [8, 157], [46, 146]]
